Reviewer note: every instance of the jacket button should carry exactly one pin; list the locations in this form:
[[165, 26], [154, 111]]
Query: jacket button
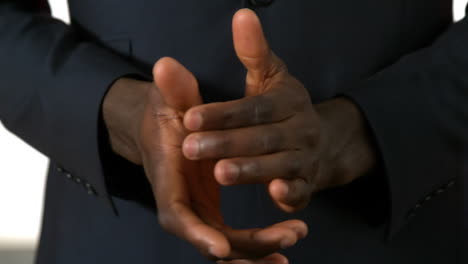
[[410, 215], [450, 184], [429, 197], [90, 189], [261, 2]]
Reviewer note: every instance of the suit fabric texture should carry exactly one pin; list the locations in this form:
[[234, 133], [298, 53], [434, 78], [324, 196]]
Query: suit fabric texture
[[403, 62]]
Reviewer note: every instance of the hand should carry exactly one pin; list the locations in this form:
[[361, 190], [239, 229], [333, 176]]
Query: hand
[[275, 135], [144, 121]]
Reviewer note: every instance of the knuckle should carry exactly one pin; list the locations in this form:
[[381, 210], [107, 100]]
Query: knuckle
[[262, 109], [227, 118], [214, 144], [223, 145], [251, 170], [311, 137], [272, 140], [294, 165]]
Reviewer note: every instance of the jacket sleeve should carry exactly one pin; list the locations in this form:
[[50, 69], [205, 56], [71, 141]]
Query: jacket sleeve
[[52, 82], [418, 111]]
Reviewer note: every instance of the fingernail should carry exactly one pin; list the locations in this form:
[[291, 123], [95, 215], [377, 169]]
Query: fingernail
[[196, 121], [287, 243], [191, 148], [231, 173]]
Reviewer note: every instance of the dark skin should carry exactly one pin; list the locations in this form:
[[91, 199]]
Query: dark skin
[[150, 133], [274, 135]]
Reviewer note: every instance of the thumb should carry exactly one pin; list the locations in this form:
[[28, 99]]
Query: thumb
[[253, 50], [177, 85]]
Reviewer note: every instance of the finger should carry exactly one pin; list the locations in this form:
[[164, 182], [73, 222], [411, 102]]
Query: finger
[[275, 258], [300, 227], [177, 217], [174, 207], [258, 243], [253, 50], [260, 169], [166, 167], [250, 141], [279, 103], [177, 85], [291, 195], [263, 70]]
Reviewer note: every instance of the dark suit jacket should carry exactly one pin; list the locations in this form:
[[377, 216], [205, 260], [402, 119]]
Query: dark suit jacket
[[402, 61]]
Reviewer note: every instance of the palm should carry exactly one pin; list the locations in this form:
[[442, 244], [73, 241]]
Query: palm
[[202, 192]]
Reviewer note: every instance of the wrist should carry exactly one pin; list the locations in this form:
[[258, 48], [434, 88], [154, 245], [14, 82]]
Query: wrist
[[122, 111], [350, 148]]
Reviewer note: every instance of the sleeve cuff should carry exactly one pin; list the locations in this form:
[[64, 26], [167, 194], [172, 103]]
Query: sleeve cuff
[[410, 144], [81, 86]]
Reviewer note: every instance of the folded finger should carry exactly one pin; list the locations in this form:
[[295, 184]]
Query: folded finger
[[260, 169], [291, 195], [258, 243]]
